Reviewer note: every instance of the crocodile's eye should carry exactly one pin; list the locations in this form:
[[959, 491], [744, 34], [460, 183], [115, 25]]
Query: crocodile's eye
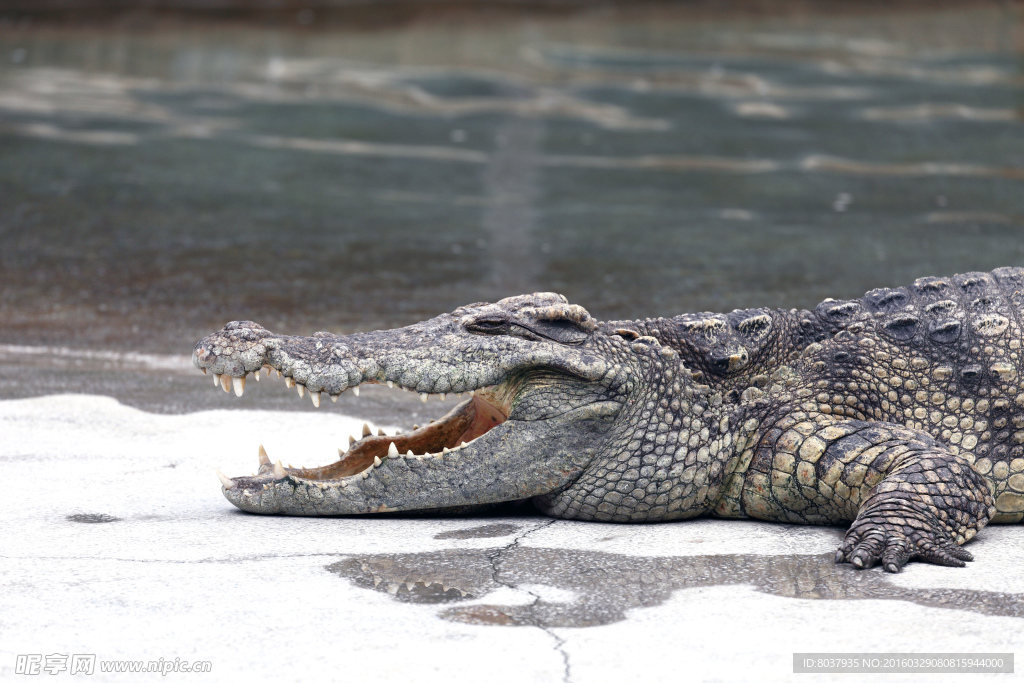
[[488, 326], [732, 362]]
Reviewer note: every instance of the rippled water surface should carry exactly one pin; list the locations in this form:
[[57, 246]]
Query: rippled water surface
[[160, 177]]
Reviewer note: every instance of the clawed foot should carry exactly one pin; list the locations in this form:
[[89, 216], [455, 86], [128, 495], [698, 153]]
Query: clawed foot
[[894, 537]]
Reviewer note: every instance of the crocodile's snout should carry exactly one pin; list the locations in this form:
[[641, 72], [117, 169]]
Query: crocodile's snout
[[235, 350]]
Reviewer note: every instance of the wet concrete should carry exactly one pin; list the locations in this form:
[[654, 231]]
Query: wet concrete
[[171, 385], [161, 179], [485, 531], [92, 518]]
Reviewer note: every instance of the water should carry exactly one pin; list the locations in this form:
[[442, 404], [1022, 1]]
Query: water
[[586, 588], [161, 176]]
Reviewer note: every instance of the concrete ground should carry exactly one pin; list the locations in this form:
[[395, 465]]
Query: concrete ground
[[118, 543]]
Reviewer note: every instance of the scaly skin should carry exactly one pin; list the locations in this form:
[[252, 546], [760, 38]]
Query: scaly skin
[[901, 412]]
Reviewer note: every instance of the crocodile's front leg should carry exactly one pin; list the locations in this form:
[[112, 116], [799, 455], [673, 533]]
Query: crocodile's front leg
[[929, 503], [909, 497]]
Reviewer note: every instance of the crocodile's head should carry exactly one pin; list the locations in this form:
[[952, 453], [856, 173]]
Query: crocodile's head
[[547, 388]]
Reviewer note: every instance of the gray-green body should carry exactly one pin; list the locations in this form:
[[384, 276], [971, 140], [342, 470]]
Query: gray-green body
[[901, 412]]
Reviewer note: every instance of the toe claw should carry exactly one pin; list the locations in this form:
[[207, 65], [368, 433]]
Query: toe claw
[[961, 554]]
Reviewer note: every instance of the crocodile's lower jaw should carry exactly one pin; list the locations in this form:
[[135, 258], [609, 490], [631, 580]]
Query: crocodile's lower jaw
[[484, 410]]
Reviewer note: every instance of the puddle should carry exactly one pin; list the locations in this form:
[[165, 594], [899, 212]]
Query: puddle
[[92, 518], [604, 586], [486, 531]]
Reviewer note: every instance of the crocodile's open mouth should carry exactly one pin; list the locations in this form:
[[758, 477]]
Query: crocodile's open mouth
[[482, 411]]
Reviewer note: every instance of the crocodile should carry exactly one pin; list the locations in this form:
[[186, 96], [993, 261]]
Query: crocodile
[[900, 413]]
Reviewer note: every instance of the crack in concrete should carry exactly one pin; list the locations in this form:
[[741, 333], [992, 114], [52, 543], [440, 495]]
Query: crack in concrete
[[495, 559]]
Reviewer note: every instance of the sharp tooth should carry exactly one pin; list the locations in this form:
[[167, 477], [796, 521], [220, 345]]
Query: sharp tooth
[[216, 380], [225, 383], [423, 397], [415, 427], [268, 371], [289, 382], [380, 432], [393, 588], [256, 375], [366, 429], [204, 370], [301, 388], [278, 373], [442, 396], [279, 472], [334, 399], [225, 481], [464, 444], [239, 386], [376, 461], [365, 473], [376, 580], [392, 450], [351, 440], [409, 585], [314, 396], [355, 390], [391, 385], [410, 453], [264, 458], [341, 454], [445, 450]]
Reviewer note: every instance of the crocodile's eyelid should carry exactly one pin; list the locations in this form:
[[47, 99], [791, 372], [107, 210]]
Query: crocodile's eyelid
[[487, 325]]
